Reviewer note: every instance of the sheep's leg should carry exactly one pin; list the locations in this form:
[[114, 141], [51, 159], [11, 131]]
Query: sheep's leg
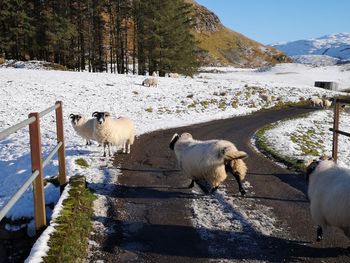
[[214, 189], [109, 149], [191, 184], [104, 149], [128, 148], [240, 185], [319, 234]]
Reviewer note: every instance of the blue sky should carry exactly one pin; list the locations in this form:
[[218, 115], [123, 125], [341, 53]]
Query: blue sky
[[271, 21]]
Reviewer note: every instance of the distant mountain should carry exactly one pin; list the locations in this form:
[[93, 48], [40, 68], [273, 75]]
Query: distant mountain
[[335, 45], [219, 45]]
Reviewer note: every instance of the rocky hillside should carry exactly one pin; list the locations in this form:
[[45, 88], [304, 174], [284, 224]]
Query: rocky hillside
[[221, 46]]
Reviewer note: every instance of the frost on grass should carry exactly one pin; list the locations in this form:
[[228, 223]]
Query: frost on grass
[[309, 137]]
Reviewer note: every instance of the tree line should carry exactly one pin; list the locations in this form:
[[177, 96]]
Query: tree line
[[118, 36]]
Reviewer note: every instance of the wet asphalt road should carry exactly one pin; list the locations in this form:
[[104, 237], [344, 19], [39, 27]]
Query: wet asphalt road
[[150, 211]]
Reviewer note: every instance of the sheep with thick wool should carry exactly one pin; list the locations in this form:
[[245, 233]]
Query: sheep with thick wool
[[210, 160], [83, 127], [316, 102], [150, 82], [327, 103], [328, 192], [110, 131]]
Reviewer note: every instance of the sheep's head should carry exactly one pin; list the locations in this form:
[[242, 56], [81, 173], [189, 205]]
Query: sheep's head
[[312, 165], [173, 140], [76, 119], [101, 116]]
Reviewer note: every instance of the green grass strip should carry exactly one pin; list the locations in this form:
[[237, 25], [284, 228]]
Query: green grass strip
[[70, 240]]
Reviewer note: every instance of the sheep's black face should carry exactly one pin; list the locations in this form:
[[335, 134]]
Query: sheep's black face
[[75, 118], [100, 116], [311, 168], [175, 138]]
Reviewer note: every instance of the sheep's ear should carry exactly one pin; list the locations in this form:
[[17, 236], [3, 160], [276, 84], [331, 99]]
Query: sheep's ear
[[240, 155], [95, 114], [174, 139], [107, 114], [71, 116]]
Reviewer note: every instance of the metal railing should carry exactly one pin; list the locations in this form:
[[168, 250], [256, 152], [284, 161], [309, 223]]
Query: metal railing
[[37, 163], [335, 129]]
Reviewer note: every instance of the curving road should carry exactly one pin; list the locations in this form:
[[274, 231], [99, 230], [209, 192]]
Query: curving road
[[151, 214]]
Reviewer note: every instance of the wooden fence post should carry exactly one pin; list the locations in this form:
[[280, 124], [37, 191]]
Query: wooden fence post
[[335, 129], [62, 178], [38, 184]]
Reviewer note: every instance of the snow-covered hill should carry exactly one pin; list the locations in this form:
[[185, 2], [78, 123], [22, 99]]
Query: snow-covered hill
[[334, 45]]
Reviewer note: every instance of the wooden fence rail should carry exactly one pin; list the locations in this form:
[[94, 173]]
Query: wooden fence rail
[[37, 163], [335, 129]]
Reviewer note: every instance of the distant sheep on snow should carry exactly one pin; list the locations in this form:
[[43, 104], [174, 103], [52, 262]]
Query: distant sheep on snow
[[209, 160], [328, 192], [150, 82], [327, 103], [109, 131], [83, 127], [316, 102]]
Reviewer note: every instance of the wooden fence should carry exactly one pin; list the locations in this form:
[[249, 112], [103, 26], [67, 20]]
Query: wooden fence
[[337, 104], [37, 163]]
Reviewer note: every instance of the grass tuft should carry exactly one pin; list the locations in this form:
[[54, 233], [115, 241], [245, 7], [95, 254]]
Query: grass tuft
[[70, 240], [82, 162]]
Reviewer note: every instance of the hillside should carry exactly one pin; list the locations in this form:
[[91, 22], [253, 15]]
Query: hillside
[[334, 45], [222, 46]]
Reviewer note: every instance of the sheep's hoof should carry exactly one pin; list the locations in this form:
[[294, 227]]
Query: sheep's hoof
[[213, 190], [191, 184], [243, 192]]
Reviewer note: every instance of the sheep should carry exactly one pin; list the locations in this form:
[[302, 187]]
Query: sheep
[[111, 131], [266, 98], [328, 191], [316, 102], [150, 82], [83, 127], [174, 75], [209, 160], [327, 103]]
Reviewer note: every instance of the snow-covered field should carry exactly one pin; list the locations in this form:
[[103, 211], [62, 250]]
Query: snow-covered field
[[212, 94], [309, 137]]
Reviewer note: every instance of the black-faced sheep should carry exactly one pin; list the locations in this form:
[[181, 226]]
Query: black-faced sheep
[[328, 192], [209, 160], [83, 127], [316, 102], [109, 131]]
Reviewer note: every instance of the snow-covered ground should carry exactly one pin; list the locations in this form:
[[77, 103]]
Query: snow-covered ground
[[213, 94], [309, 137]]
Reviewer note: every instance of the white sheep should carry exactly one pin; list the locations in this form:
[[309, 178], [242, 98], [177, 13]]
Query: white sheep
[[327, 103], [150, 82], [109, 131], [83, 127], [174, 75], [328, 192], [316, 102], [209, 160]]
